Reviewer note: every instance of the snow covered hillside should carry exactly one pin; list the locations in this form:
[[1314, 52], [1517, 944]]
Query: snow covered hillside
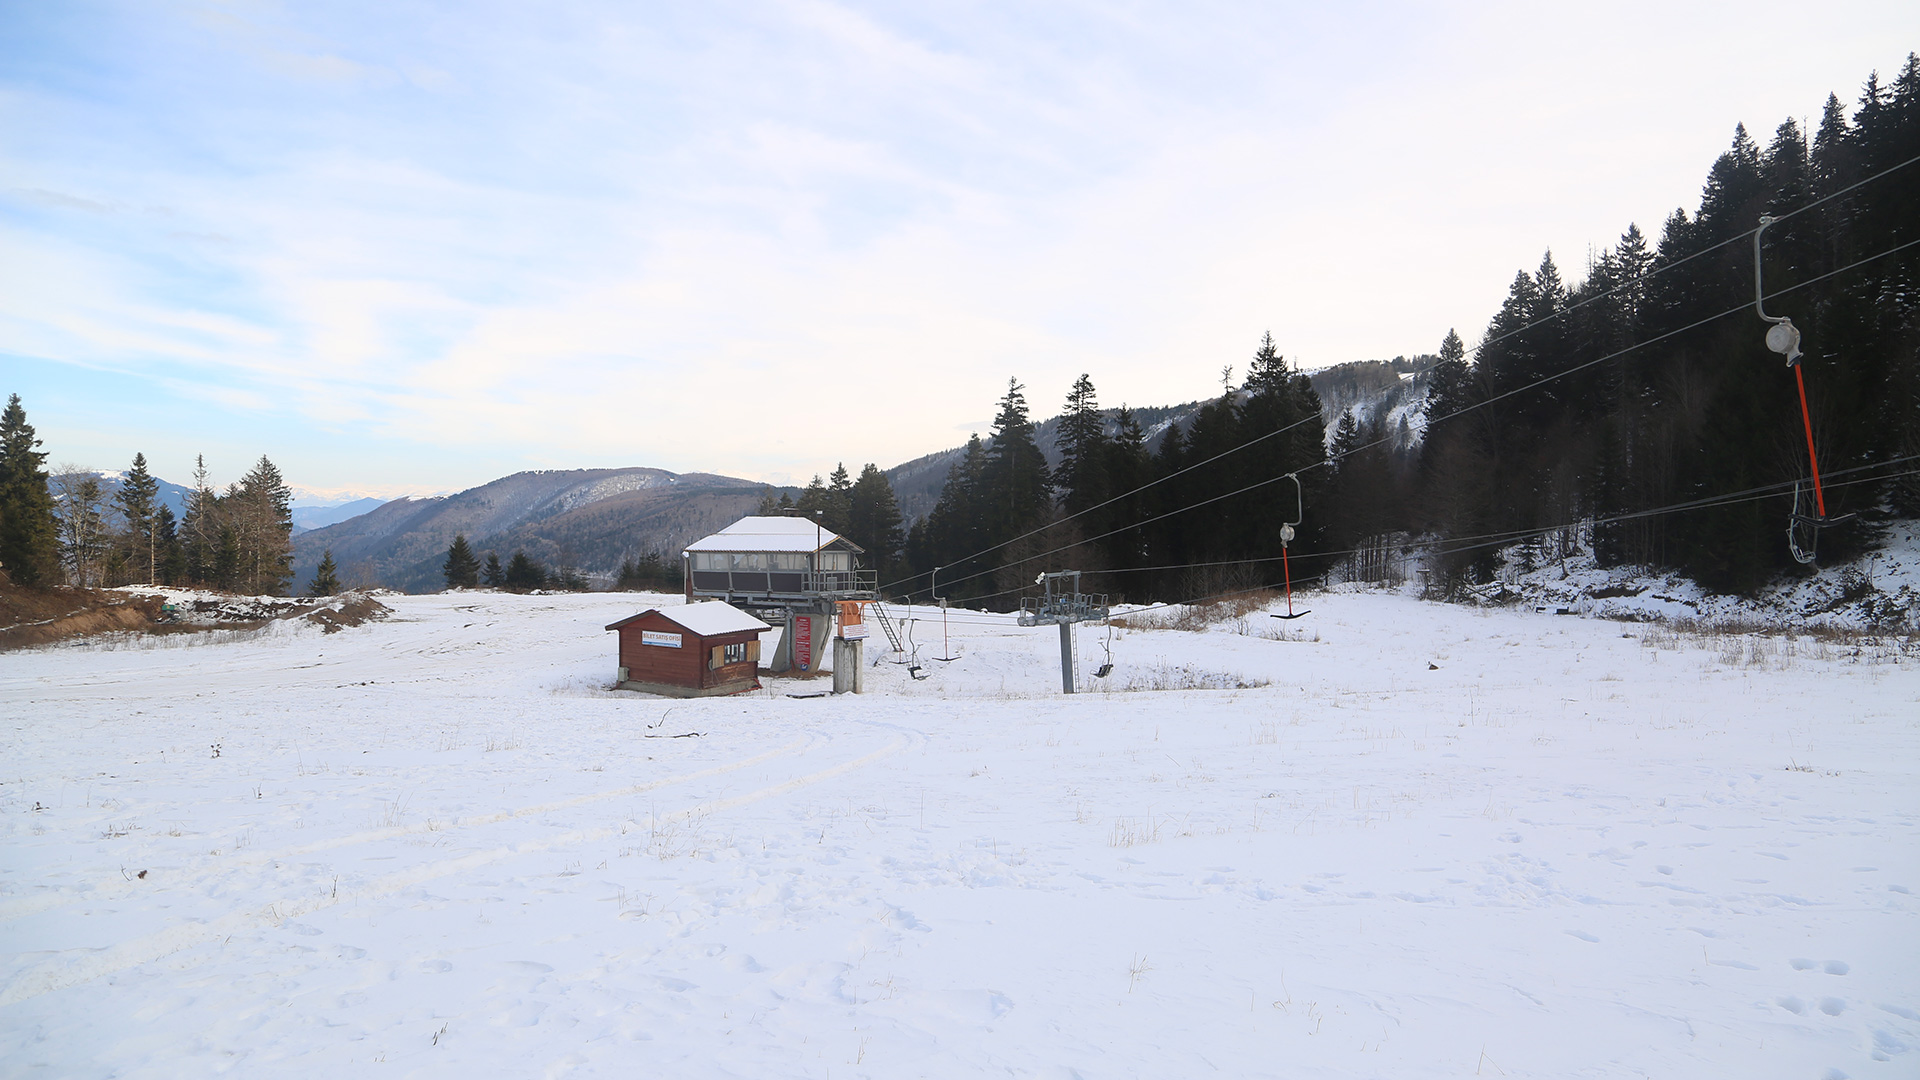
[[1394, 838]]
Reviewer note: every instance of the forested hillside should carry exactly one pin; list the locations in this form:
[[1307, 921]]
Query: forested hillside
[[581, 519], [1636, 410]]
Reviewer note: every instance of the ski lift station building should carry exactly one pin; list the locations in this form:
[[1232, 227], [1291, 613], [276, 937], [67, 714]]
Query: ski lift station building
[[790, 571], [699, 650]]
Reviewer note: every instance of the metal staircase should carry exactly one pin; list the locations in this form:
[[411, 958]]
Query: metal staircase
[[887, 626]]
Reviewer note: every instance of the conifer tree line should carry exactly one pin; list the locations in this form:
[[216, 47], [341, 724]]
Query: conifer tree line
[[1699, 411], [67, 527], [1709, 410], [863, 510], [521, 573], [1001, 498]]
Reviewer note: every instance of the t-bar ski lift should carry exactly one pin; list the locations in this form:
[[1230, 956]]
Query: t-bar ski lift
[[1286, 537], [1803, 529]]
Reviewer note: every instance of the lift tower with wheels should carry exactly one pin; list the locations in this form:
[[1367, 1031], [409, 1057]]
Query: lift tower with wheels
[[1063, 604]]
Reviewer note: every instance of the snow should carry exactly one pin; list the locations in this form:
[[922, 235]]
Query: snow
[[707, 618], [1407, 839], [1878, 591], [792, 534]]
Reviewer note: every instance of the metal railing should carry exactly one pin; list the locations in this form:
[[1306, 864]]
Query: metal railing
[[847, 583], [840, 584], [1063, 607]]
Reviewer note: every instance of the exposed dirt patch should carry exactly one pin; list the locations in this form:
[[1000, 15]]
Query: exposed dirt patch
[[352, 609], [30, 616]]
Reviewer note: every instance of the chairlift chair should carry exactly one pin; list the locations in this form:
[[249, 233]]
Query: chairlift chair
[[1286, 536], [914, 670]]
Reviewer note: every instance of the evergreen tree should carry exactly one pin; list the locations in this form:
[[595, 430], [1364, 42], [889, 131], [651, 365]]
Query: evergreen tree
[[494, 576], [136, 502], [839, 504], [1016, 478], [200, 530], [1129, 467], [953, 530], [1346, 438], [524, 573], [769, 506], [326, 577], [261, 516], [171, 563], [1268, 372], [462, 568], [1281, 426], [1449, 381], [29, 534], [1082, 474], [874, 519]]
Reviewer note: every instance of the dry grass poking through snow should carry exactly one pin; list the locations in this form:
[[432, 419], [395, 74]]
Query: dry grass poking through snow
[[1182, 677], [1197, 617], [1749, 645]]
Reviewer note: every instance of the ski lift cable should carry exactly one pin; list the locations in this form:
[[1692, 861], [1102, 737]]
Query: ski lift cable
[[1468, 547], [1447, 416], [1569, 309], [1495, 539]]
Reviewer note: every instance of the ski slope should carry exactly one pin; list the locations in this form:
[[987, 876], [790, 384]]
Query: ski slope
[[1395, 839]]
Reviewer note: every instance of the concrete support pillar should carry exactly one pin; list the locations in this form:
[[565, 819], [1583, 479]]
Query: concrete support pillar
[[849, 674], [1066, 656], [783, 654]]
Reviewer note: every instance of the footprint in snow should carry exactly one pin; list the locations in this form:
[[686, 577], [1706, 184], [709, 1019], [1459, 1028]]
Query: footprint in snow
[[1801, 963], [1793, 1005], [1832, 1006], [1835, 967], [1583, 935]]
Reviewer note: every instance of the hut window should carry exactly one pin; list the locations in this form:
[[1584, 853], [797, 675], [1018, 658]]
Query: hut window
[[832, 560], [788, 561], [750, 560], [708, 560], [735, 653]]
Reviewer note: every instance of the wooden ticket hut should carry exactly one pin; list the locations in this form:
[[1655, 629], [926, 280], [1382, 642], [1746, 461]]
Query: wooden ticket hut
[[699, 650]]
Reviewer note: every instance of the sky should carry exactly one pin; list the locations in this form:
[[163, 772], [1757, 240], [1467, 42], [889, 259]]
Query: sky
[[406, 247]]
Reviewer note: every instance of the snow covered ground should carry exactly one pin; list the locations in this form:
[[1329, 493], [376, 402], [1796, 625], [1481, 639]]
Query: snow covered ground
[[1394, 839]]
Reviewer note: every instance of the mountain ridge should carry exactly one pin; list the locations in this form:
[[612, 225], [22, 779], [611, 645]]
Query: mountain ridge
[[593, 519]]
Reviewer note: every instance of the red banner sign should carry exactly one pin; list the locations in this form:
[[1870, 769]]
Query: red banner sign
[[803, 642]]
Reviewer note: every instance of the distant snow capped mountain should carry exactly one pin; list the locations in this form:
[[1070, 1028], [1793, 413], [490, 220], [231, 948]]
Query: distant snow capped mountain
[[590, 519], [310, 516], [332, 497], [171, 495]]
